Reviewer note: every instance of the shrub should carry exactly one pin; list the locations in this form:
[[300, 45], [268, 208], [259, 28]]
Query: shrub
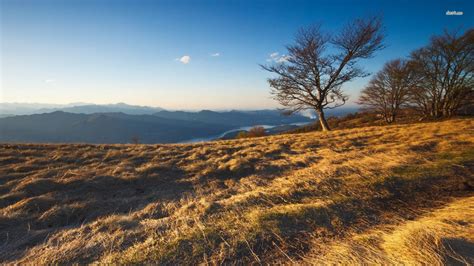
[[252, 133], [256, 132]]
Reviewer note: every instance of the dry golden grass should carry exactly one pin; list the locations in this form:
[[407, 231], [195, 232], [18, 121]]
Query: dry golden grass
[[391, 195]]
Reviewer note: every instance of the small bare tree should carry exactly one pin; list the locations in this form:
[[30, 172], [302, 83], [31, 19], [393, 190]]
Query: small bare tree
[[311, 76], [257, 131], [135, 139], [388, 90]]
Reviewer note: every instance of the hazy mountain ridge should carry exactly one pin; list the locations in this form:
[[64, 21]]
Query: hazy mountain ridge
[[65, 127], [113, 108], [162, 127], [12, 109]]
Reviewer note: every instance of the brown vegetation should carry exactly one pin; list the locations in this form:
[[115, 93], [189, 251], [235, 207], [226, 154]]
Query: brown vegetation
[[388, 90], [252, 133], [400, 194], [361, 119]]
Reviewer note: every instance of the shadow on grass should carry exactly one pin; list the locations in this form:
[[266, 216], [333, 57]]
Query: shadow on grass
[[461, 251], [293, 228]]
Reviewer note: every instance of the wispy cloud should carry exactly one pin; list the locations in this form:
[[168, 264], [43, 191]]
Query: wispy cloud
[[277, 58], [283, 58], [49, 80], [185, 59], [216, 54]]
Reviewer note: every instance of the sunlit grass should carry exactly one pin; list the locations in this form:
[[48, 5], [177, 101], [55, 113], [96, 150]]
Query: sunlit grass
[[397, 194]]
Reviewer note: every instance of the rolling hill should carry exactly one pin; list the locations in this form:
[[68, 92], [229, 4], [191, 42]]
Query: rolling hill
[[235, 118], [401, 194], [63, 127]]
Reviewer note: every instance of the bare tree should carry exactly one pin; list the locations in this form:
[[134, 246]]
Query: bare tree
[[388, 90], [311, 76], [445, 70], [135, 139]]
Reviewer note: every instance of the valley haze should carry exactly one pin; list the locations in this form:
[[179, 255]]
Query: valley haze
[[122, 123]]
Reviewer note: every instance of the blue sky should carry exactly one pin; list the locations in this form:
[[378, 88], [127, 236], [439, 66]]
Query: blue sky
[[108, 51]]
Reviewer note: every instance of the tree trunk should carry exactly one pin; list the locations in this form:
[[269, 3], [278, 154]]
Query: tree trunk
[[392, 118], [386, 117], [322, 120]]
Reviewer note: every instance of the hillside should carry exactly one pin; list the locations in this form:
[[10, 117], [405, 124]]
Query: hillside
[[235, 118], [401, 194], [64, 127]]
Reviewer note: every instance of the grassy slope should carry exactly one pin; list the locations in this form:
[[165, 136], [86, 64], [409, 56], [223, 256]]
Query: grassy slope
[[395, 194]]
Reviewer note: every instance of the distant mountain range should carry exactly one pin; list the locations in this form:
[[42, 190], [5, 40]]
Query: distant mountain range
[[11, 109], [123, 123], [161, 127]]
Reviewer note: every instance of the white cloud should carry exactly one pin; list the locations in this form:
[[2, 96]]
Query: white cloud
[[49, 80], [277, 58], [216, 54], [274, 55], [185, 59], [283, 58]]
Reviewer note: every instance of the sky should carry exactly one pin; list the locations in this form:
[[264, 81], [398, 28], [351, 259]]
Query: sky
[[185, 54]]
